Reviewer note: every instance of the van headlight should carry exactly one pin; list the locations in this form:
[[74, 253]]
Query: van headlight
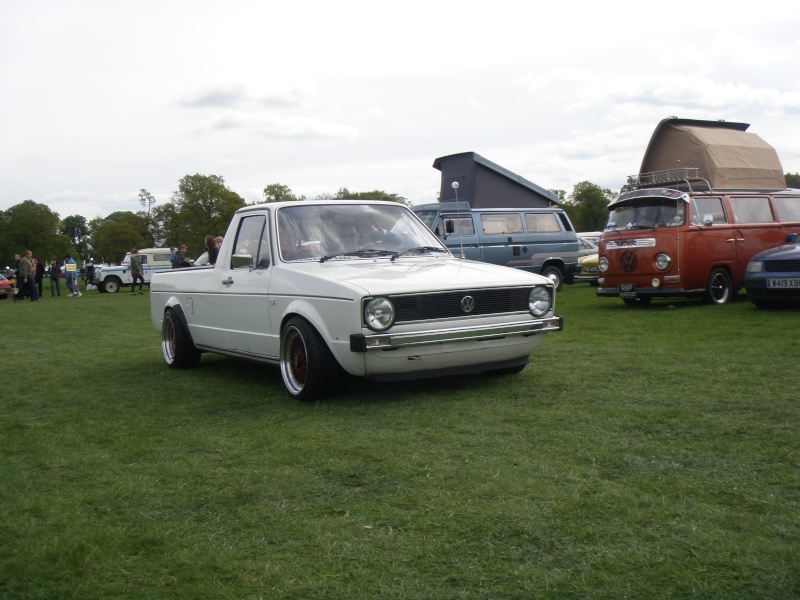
[[602, 264], [379, 314], [663, 261], [540, 301]]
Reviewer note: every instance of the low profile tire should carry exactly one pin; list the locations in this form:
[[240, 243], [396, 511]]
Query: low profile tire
[[719, 289], [112, 285], [308, 368], [176, 345], [555, 275]]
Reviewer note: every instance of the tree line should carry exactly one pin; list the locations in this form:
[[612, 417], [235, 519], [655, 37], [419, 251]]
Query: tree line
[[204, 205]]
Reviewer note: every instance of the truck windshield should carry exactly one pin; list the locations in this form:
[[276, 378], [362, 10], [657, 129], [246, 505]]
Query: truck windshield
[[646, 213], [351, 230]]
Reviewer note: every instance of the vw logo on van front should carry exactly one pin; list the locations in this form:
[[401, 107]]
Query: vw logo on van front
[[467, 304], [628, 261]]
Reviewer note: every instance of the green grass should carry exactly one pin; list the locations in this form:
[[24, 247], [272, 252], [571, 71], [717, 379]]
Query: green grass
[[644, 453]]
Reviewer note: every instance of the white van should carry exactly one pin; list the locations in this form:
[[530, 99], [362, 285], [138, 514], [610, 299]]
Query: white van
[[111, 279]]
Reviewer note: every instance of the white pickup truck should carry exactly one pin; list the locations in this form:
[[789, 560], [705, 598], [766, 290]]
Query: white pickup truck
[[322, 287]]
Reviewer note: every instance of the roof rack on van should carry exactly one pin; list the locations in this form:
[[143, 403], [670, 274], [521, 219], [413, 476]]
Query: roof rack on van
[[677, 177]]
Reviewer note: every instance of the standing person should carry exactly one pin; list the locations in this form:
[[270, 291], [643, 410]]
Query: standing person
[[28, 276], [212, 249], [172, 250], [71, 275], [17, 280], [55, 278], [136, 271], [38, 274], [180, 258]]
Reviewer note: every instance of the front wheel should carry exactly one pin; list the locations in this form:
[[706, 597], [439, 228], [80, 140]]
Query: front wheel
[[112, 285], [176, 345], [308, 368], [555, 275], [719, 289]]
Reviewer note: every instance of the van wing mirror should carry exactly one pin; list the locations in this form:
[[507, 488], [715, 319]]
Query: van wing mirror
[[792, 238], [241, 261], [708, 220]]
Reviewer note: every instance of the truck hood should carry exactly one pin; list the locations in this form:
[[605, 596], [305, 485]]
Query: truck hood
[[381, 276]]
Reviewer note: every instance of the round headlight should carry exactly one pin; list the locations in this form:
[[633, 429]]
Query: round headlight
[[602, 264], [540, 301], [379, 314], [663, 262]]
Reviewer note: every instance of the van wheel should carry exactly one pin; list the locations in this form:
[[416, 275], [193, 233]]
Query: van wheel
[[308, 368], [176, 345], [640, 301], [719, 289], [555, 275]]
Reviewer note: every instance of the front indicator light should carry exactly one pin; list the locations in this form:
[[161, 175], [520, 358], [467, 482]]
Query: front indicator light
[[655, 283]]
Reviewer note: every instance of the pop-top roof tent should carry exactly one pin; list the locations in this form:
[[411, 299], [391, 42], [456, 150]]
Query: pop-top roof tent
[[724, 153], [485, 184]]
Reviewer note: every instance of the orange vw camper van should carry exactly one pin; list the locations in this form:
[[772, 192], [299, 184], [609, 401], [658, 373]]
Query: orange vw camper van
[[709, 195]]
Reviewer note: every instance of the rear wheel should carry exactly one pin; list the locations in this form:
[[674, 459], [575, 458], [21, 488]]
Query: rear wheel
[[719, 289], [176, 345], [308, 368], [555, 275]]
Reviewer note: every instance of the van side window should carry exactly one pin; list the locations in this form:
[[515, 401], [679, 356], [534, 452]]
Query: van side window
[[788, 208], [144, 259], [461, 225], [708, 206], [751, 209], [541, 223], [501, 223]]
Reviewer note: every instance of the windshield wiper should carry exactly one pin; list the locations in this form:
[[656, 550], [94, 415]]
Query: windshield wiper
[[420, 250], [363, 253]]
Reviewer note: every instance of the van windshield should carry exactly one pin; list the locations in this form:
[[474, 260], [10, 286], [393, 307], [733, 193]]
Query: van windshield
[[646, 213]]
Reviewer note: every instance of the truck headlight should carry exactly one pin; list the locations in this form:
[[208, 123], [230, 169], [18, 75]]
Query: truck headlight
[[379, 314], [540, 301], [602, 264]]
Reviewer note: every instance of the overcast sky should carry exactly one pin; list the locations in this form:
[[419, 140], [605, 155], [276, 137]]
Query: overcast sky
[[102, 98]]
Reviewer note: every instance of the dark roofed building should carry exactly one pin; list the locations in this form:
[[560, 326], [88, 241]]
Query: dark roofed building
[[485, 184]]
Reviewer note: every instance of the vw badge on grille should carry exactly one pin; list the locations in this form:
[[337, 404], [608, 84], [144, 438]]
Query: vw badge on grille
[[467, 303], [628, 261]]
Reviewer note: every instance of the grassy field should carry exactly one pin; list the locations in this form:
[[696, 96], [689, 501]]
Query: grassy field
[[644, 453]]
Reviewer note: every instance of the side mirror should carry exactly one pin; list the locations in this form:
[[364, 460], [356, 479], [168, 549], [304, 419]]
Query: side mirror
[[241, 261], [708, 220], [792, 237]]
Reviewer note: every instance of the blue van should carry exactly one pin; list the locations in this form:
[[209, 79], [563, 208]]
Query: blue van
[[539, 240]]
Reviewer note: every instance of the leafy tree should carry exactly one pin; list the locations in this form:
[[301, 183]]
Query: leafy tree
[[147, 200], [276, 192], [792, 180], [203, 205], [116, 234], [587, 206], [560, 194], [32, 226], [345, 194], [77, 230]]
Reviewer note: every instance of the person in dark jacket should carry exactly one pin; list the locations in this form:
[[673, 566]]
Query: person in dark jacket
[[38, 274], [55, 278]]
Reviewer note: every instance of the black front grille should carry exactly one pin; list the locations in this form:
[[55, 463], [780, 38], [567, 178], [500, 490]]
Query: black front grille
[[780, 266], [444, 305]]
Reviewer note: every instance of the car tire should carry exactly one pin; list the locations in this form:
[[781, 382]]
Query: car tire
[[112, 285], [308, 368], [719, 289], [176, 344], [555, 275]]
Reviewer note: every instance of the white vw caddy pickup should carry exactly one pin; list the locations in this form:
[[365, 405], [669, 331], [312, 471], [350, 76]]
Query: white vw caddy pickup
[[321, 287]]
